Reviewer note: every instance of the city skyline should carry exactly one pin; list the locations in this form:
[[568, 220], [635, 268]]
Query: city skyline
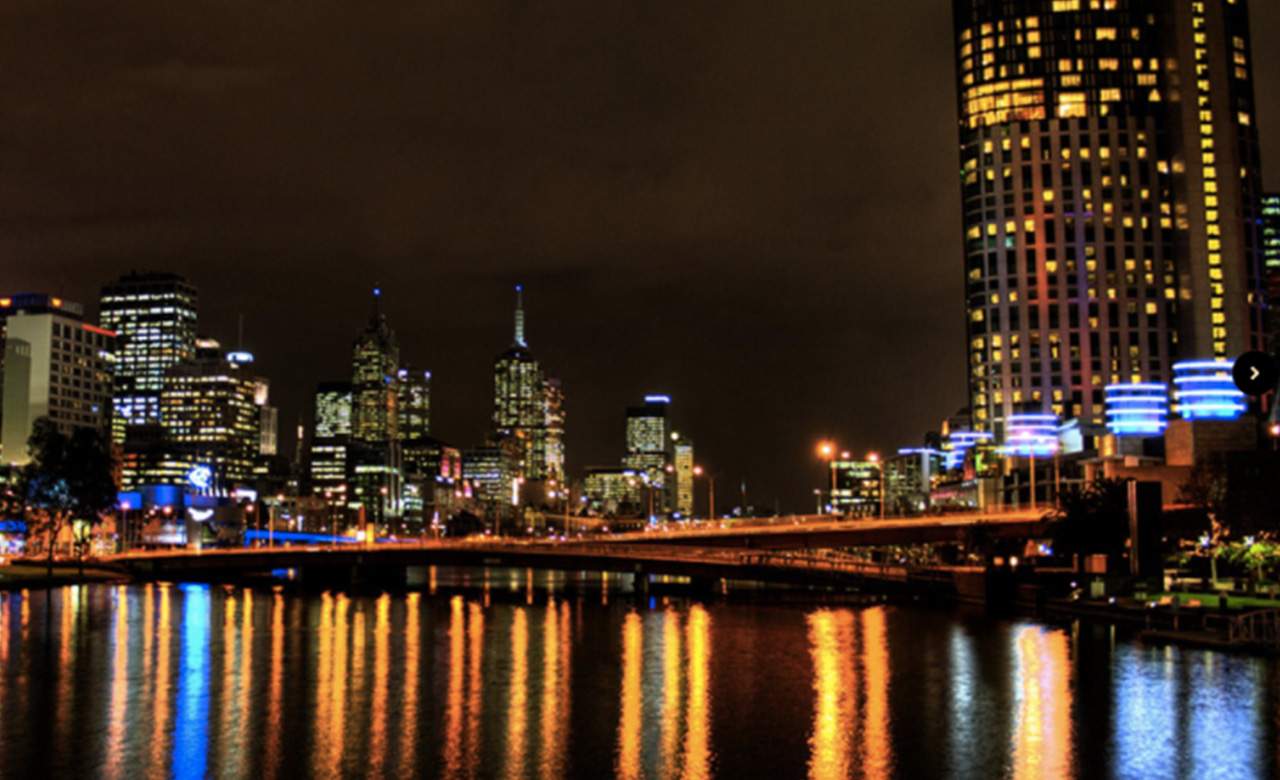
[[615, 308]]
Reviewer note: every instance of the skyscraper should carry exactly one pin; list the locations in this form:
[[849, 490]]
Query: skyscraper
[[522, 398], [154, 315], [647, 438], [374, 363], [331, 443], [1110, 181], [682, 465], [413, 403], [554, 390], [55, 366], [210, 414]]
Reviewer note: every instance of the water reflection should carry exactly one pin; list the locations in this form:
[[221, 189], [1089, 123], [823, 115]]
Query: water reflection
[[166, 681], [1042, 729], [191, 726]]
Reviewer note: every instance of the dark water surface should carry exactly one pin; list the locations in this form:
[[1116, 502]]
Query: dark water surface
[[192, 681]]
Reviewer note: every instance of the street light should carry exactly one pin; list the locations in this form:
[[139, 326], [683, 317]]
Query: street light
[[827, 452], [698, 471]]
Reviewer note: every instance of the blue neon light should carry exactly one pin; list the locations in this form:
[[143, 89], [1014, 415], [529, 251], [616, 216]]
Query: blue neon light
[[1137, 409], [1206, 391], [958, 445], [657, 399], [1031, 435], [254, 535]]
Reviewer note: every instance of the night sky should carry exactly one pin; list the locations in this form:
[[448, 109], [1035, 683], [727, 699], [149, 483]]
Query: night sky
[[752, 206]]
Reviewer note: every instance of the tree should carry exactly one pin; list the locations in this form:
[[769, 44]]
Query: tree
[[69, 478], [1092, 518], [1206, 488]]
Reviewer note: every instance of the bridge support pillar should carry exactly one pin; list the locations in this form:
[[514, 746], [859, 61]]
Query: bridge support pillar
[[640, 582]]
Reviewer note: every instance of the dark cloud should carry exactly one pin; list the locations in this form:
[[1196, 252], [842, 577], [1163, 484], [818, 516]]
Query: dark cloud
[[753, 207]]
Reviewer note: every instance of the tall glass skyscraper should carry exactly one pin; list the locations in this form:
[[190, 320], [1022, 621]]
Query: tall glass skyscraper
[[154, 316], [374, 363], [528, 407], [1109, 161]]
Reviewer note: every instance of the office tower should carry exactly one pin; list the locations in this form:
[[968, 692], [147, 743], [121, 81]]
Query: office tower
[[413, 403], [1110, 184], [268, 415], [909, 479], [210, 416], [1271, 261], [682, 464], [55, 366], [614, 492], [520, 400], [555, 457], [857, 485], [331, 442], [374, 365], [490, 477], [155, 317], [647, 438]]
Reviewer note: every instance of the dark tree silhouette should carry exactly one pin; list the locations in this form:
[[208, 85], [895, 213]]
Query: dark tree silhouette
[[69, 478], [1092, 518]]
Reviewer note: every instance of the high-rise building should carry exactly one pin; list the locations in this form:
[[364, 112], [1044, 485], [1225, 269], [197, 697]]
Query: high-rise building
[[682, 465], [647, 438], [331, 443], [374, 366], [210, 416], [1110, 186], [555, 461], [857, 485], [413, 403], [527, 407], [55, 366], [1271, 261], [155, 317]]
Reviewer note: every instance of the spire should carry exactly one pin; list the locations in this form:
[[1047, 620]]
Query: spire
[[520, 342], [377, 301]]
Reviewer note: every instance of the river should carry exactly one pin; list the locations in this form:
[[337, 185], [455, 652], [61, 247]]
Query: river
[[501, 679]]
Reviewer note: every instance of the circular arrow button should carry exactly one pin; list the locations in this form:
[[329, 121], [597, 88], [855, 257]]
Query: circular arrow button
[[1256, 373]]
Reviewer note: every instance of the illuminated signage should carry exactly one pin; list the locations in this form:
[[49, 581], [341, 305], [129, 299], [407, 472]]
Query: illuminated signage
[[200, 477]]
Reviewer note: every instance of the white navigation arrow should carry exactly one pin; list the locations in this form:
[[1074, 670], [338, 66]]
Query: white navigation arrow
[[1254, 373]]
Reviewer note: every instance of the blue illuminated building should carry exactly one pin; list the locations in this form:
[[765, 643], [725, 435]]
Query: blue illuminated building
[[1204, 390], [1137, 409]]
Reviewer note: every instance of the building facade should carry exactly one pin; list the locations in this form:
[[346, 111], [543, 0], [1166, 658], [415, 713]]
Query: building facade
[[55, 366], [528, 407], [1110, 187], [1271, 262], [647, 439], [155, 316], [211, 418], [375, 361]]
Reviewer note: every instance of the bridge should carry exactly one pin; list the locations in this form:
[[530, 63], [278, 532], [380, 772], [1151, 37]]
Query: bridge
[[387, 564], [824, 532]]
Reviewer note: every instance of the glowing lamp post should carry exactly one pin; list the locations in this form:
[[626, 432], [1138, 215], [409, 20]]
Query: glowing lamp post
[[1031, 436], [827, 452]]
